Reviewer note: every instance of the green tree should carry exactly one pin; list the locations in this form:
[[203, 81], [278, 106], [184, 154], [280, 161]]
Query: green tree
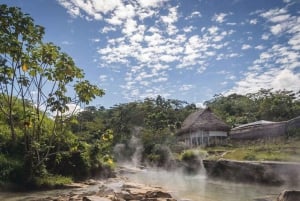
[[43, 79], [276, 105], [265, 104]]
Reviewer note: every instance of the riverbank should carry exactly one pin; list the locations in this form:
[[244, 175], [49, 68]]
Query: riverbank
[[142, 184], [267, 172], [116, 189]]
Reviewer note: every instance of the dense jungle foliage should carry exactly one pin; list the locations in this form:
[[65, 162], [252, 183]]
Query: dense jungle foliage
[[36, 80], [151, 125], [266, 104]]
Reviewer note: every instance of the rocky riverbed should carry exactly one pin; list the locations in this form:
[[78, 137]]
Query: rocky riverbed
[[116, 189], [123, 188], [111, 189]]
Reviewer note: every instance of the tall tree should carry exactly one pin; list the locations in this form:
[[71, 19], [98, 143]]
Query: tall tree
[[41, 77]]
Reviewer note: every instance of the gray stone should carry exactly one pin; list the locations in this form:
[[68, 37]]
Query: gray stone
[[288, 195], [94, 198]]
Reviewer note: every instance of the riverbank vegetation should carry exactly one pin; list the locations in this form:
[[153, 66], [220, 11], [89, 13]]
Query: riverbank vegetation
[[38, 84], [45, 143], [275, 150]]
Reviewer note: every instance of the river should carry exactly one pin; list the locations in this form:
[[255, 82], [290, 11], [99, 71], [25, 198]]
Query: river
[[182, 187], [200, 188]]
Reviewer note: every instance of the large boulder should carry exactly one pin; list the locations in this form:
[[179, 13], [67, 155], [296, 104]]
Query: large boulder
[[133, 191], [289, 196], [242, 172], [94, 198]]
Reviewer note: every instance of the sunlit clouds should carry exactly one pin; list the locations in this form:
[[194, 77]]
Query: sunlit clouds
[[168, 47]]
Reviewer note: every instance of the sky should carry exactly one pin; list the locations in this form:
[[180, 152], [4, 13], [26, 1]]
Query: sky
[[188, 50]]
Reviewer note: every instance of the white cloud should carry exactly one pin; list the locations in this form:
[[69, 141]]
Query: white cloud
[[196, 14], [129, 27], [265, 36], [103, 78], [96, 40], [286, 79], [275, 78], [277, 29], [108, 29], [253, 21], [213, 30], [295, 41], [67, 43], [273, 13], [193, 15], [259, 47], [186, 87], [188, 29], [168, 58], [172, 17], [246, 47], [147, 44], [220, 18], [275, 67], [73, 7], [151, 3], [105, 6], [279, 19]]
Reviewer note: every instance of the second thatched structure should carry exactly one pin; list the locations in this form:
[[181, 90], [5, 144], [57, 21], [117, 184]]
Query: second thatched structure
[[203, 128]]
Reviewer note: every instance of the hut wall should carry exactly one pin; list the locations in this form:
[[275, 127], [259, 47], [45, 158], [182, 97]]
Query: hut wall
[[200, 137], [259, 131], [217, 134], [217, 137]]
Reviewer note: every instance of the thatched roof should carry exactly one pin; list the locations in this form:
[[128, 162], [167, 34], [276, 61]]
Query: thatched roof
[[203, 119]]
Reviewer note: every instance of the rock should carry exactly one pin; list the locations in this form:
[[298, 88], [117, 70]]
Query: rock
[[289, 196], [241, 171], [266, 172], [94, 198], [74, 185], [132, 191], [157, 194], [104, 191], [91, 182], [108, 192], [262, 199], [88, 193]]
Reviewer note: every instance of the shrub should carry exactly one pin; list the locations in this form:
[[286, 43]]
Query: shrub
[[250, 157], [160, 156], [51, 181], [192, 162], [193, 154], [9, 168]]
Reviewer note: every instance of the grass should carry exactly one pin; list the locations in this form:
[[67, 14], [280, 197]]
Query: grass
[[260, 151], [52, 181]]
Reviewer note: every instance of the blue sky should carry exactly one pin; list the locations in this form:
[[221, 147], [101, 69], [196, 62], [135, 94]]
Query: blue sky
[[188, 50]]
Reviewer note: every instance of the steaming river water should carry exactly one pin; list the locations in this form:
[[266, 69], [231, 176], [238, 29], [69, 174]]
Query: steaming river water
[[199, 188], [182, 187]]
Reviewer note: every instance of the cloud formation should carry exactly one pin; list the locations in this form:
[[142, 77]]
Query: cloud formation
[[278, 66], [155, 41]]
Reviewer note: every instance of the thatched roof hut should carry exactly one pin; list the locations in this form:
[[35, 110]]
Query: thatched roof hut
[[203, 119], [203, 127]]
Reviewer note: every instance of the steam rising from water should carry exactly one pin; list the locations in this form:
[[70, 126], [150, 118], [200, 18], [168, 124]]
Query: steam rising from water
[[186, 187], [136, 144], [132, 152], [200, 188]]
